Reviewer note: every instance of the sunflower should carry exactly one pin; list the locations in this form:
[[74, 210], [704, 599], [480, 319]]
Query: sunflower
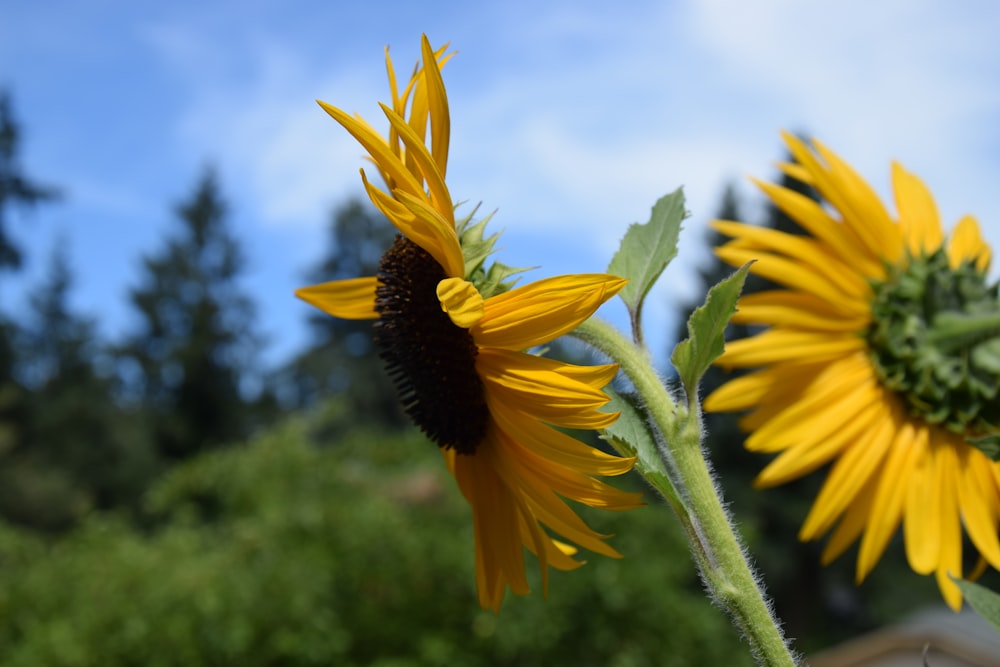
[[881, 356], [453, 338]]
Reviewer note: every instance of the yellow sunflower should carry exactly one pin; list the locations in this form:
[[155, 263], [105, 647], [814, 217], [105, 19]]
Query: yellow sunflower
[[455, 350], [882, 356]]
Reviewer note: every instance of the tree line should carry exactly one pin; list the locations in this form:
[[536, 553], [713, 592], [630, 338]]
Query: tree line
[[87, 424]]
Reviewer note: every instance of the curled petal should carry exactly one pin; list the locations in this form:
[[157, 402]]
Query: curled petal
[[461, 300], [379, 150], [544, 310]]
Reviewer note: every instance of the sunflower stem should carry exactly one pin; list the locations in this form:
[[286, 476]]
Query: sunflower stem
[[716, 548]]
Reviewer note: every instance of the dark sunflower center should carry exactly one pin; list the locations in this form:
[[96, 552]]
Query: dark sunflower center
[[934, 340], [431, 360]]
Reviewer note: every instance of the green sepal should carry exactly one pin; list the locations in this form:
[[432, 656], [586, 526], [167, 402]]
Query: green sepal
[[982, 599], [476, 249], [707, 332], [987, 444], [645, 252], [935, 340]]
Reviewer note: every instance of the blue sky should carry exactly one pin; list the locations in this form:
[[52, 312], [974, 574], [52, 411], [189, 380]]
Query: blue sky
[[569, 118]]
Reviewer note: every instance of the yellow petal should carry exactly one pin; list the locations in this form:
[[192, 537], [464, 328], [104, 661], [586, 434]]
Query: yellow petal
[[499, 554], [777, 345], [521, 382], [978, 495], [887, 506], [461, 300], [820, 439], [419, 222], [949, 590], [425, 163], [863, 214], [546, 309], [835, 395], [352, 299], [795, 275], [798, 310], [967, 245], [557, 446], [950, 559], [811, 216], [853, 522], [531, 468], [750, 390], [923, 513], [918, 214], [558, 554], [805, 250], [379, 150], [847, 478], [437, 100]]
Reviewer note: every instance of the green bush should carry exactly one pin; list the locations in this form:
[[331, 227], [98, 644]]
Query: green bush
[[353, 552]]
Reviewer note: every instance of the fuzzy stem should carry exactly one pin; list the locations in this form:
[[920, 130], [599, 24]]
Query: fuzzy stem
[[714, 543]]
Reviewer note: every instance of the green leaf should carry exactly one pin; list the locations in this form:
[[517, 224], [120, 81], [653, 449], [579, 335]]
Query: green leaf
[[987, 444], [646, 250], [706, 331], [631, 436], [982, 599]]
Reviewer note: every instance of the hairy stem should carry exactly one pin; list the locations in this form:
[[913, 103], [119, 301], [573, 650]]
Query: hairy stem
[[715, 545]]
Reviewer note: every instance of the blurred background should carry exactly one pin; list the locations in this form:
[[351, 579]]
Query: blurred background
[[196, 469]]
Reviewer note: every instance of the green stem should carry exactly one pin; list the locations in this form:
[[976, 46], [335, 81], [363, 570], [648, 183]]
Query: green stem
[[716, 548]]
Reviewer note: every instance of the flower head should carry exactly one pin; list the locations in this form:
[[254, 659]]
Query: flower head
[[882, 356], [453, 335]]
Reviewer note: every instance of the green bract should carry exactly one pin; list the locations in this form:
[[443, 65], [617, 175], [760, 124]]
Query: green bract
[[935, 339], [476, 248]]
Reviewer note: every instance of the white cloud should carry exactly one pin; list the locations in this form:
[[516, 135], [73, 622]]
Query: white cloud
[[876, 81], [634, 107]]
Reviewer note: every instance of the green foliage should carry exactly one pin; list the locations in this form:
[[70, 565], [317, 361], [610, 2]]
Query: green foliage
[[987, 444], [67, 448], [645, 252], [476, 249], [706, 332], [358, 552], [982, 599], [631, 436]]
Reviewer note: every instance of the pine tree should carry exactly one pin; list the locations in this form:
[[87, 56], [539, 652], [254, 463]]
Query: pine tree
[[16, 191], [196, 343], [74, 449], [15, 188]]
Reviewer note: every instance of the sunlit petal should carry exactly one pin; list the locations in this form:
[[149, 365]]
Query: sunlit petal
[[351, 299]]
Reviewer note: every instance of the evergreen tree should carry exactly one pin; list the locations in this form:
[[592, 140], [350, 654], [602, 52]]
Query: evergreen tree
[[15, 187], [73, 450], [16, 190], [196, 345], [341, 358]]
